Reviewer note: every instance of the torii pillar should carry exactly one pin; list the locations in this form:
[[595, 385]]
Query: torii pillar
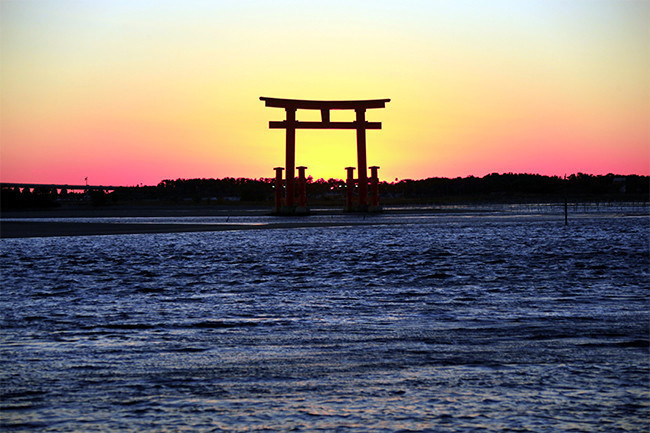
[[302, 187], [290, 163], [361, 157], [278, 189], [374, 187], [349, 189]]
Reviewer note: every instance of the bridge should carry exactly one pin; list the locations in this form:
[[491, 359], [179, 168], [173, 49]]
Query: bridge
[[60, 186]]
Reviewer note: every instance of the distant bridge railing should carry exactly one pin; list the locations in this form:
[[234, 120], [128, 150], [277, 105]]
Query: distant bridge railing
[[59, 186]]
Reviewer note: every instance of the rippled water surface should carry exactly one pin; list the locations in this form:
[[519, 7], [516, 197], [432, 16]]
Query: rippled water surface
[[438, 323]]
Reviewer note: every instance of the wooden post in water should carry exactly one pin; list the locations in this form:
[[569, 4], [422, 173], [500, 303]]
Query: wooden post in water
[[566, 204]]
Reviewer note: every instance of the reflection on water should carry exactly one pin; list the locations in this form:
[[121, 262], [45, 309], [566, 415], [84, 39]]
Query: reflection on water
[[445, 323]]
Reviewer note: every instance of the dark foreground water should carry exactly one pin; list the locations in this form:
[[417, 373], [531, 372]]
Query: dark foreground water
[[441, 323]]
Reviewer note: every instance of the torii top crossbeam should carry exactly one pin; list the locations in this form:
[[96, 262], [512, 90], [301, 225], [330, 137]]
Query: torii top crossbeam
[[324, 105]]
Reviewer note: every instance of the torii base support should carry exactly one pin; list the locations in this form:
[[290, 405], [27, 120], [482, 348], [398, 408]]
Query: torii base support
[[290, 205], [361, 205]]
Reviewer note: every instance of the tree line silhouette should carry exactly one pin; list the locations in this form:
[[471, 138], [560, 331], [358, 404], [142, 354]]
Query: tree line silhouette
[[508, 187]]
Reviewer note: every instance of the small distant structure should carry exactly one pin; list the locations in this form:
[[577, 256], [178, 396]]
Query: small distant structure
[[62, 187], [289, 204], [620, 183]]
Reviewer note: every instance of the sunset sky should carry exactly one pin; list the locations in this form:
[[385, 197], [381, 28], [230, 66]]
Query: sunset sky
[[136, 91]]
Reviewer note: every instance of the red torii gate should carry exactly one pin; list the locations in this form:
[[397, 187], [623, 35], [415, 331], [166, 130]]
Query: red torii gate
[[291, 124]]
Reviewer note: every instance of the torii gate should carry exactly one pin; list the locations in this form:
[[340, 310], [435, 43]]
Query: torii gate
[[291, 124]]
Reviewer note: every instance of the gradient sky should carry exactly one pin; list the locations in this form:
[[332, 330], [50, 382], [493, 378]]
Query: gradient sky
[[137, 91]]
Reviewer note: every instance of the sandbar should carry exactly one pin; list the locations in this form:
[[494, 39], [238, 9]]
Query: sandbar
[[31, 229]]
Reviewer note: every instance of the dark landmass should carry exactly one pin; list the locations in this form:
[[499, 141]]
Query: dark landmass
[[229, 193], [22, 209]]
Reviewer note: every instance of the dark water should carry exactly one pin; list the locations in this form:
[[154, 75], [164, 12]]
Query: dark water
[[442, 323]]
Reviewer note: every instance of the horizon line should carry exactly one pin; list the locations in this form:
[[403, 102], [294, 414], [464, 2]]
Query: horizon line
[[4, 184]]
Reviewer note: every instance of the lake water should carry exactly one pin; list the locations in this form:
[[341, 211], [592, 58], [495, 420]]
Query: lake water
[[431, 323]]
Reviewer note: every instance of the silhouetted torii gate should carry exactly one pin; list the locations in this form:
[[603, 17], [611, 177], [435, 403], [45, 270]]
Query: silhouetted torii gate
[[291, 124]]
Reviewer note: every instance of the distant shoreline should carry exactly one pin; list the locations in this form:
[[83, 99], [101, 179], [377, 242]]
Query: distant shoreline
[[134, 211]]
